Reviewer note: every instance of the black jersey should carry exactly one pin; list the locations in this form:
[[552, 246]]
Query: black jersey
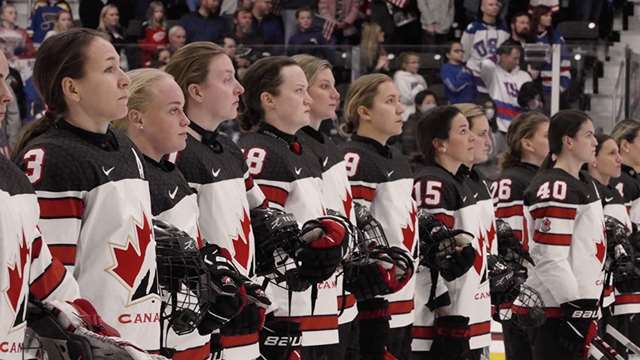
[[567, 244], [336, 195], [628, 184], [450, 199], [288, 174], [381, 180], [95, 212], [25, 260]]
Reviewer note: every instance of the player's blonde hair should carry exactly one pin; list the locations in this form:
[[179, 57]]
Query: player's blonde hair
[[141, 92], [360, 93], [311, 65]]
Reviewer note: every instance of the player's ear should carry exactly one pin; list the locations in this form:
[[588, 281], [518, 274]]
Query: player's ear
[[526, 145], [135, 118], [266, 100], [567, 141], [624, 146], [440, 145], [363, 113], [70, 89], [195, 92]]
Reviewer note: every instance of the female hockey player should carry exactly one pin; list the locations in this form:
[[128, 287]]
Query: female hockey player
[[565, 219], [336, 190], [381, 181], [527, 146], [276, 106], [94, 200], [461, 329], [214, 167]]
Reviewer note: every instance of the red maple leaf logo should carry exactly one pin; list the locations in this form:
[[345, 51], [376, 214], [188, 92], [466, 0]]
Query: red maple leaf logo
[[409, 231], [199, 239], [129, 260], [16, 275], [491, 235], [241, 243], [477, 263], [347, 203], [601, 247]]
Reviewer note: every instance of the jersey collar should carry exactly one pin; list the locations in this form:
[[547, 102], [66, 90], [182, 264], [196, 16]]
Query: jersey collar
[[383, 150], [209, 138], [164, 164], [107, 141], [317, 135], [290, 140]]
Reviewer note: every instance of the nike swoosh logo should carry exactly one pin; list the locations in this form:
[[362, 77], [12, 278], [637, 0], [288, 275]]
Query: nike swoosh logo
[[216, 172], [107, 172], [298, 171], [390, 173], [172, 194], [608, 199], [464, 198], [475, 196], [325, 162]]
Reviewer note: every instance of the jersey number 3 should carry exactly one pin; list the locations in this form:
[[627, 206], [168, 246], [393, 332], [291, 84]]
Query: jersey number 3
[[34, 160]]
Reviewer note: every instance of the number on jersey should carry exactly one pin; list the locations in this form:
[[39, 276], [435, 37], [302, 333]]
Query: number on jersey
[[255, 160], [34, 161], [557, 189], [428, 192], [352, 160], [501, 190]]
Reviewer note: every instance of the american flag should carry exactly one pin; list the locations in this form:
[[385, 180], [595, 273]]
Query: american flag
[[399, 3]]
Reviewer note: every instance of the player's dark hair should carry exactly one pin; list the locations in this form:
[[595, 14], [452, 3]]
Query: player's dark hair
[[602, 138], [62, 55], [564, 123], [524, 126], [434, 124], [265, 75]]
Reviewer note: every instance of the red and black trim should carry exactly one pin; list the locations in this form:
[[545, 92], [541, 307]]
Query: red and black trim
[[275, 194], [61, 208], [48, 281]]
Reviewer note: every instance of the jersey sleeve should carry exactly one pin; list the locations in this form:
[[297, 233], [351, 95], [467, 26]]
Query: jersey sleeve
[[48, 277], [363, 191], [509, 205], [467, 41], [439, 199], [552, 226], [54, 175], [270, 174]]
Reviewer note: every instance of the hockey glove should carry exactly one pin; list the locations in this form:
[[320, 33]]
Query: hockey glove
[[280, 340], [579, 326], [451, 339], [504, 280], [448, 251], [373, 317], [509, 247], [272, 229]]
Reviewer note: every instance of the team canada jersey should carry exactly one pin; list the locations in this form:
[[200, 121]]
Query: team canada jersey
[[290, 180], [216, 171], [508, 195], [336, 195], [628, 185], [26, 265], [449, 198], [482, 195], [568, 243], [172, 201], [480, 41], [95, 213], [381, 180]]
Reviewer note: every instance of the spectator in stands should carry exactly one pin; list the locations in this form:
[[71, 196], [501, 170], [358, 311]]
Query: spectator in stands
[[110, 25], [373, 56], [436, 17], [41, 15], [267, 26], [243, 28], [308, 39], [409, 82], [63, 22], [155, 29], [481, 38], [504, 82], [399, 19], [17, 41], [459, 85], [425, 100], [521, 33], [230, 47], [554, 5], [530, 97], [159, 59], [544, 34], [344, 16], [205, 24], [177, 38]]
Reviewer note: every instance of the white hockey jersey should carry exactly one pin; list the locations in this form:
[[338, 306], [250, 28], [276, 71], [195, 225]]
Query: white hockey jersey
[[480, 41]]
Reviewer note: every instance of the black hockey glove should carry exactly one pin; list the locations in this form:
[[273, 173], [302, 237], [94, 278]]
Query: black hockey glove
[[251, 319], [509, 247], [272, 229], [448, 251], [504, 280], [579, 326], [373, 318], [451, 339], [280, 340]]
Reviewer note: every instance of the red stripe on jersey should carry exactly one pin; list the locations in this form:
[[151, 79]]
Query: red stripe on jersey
[[275, 194], [554, 212], [228, 342], [61, 208], [197, 353], [509, 211], [448, 220], [517, 234], [552, 239], [422, 332], [349, 301], [36, 247], [480, 328], [48, 281], [607, 290], [315, 322], [628, 299], [248, 183], [65, 253], [400, 307], [363, 192]]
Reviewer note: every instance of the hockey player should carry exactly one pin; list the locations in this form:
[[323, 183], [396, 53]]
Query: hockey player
[[276, 106], [565, 218], [381, 181], [214, 167], [460, 329], [336, 190], [482, 38], [82, 171], [527, 146]]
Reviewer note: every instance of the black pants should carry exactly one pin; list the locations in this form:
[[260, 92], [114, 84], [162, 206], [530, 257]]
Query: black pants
[[426, 355], [349, 341], [399, 342], [517, 342], [546, 345]]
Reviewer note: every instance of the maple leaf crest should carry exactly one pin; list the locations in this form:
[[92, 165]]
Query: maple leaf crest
[[409, 231], [347, 203], [241, 242], [491, 235], [601, 247], [16, 275], [477, 263], [129, 260]]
